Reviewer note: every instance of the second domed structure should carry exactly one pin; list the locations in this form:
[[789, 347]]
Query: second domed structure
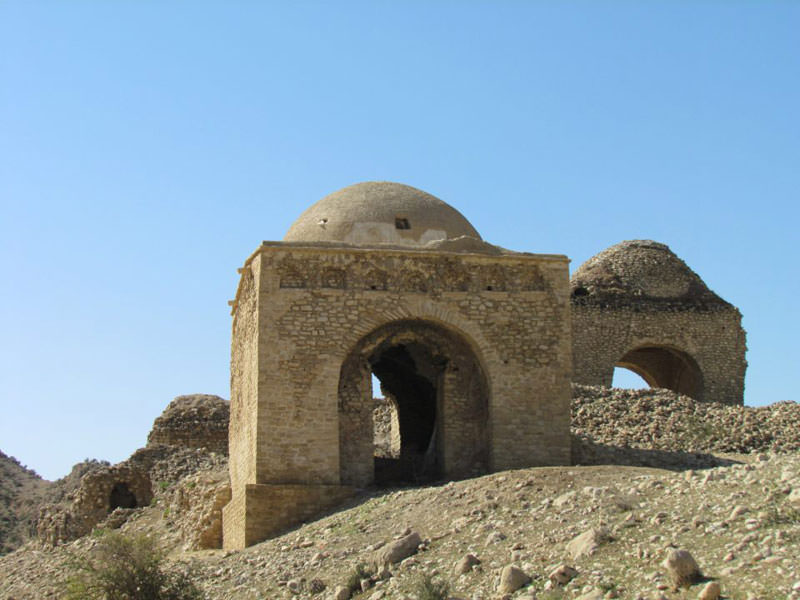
[[640, 270]]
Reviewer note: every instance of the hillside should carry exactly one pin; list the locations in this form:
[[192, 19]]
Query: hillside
[[21, 490], [738, 514]]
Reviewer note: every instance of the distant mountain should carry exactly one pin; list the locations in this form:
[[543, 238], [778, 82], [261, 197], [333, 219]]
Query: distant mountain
[[21, 492]]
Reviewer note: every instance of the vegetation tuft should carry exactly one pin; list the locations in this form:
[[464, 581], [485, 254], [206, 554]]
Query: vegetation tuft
[[127, 568], [779, 514], [358, 573], [428, 589]]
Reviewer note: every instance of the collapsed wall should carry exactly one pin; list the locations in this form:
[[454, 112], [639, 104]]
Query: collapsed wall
[[188, 440], [193, 421], [100, 493]]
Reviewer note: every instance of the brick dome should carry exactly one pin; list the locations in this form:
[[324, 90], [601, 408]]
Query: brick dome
[[637, 270], [380, 212]]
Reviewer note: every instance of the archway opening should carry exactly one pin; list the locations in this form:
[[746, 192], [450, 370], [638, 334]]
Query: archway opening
[[665, 367], [409, 376], [627, 379], [121, 497], [386, 423], [413, 407]]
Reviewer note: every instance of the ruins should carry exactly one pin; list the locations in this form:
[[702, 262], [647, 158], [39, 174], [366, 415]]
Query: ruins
[[474, 347], [637, 305]]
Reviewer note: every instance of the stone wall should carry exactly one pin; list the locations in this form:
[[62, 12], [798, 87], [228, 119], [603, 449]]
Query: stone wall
[[307, 308], [713, 339], [193, 421], [245, 378], [101, 492]]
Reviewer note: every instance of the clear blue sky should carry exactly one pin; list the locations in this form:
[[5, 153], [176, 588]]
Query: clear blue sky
[[147, 148]]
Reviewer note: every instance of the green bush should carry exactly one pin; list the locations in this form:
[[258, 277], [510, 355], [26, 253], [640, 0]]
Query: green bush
[[428, 589], [127, 568]]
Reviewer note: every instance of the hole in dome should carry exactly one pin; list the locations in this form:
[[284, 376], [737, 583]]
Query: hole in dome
[[401, 223]]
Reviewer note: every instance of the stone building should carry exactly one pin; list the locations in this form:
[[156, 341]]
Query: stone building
[[637, 305], [473, 346], [471, 343]]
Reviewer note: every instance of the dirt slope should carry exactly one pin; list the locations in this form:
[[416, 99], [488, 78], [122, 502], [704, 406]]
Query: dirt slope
[[738, 514]]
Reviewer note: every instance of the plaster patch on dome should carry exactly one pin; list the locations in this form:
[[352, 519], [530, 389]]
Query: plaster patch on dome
[[380, 212], [387, 233]]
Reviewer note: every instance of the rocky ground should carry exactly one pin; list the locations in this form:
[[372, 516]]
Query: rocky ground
[[739, 519]]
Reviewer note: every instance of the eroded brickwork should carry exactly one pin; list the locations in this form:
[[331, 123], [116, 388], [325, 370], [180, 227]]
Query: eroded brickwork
[[639, 306], [193, 421]]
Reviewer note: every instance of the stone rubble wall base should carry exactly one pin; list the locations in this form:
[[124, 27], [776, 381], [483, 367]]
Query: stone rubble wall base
[[259, 511]]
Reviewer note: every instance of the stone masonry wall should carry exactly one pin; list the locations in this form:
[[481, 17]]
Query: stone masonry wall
[[714, 338], [193, 421], [300, 311], [244, 378], [316, 304]]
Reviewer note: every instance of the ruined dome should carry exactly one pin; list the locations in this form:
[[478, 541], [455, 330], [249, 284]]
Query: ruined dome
[[193, 421], [380, 212], [640, 270]]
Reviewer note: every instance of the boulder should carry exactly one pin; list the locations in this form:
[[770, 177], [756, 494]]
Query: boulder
[[511, 579], [397, 550], [465, 564], [682, 568], [562, 574], [588, 542], [711, 591]]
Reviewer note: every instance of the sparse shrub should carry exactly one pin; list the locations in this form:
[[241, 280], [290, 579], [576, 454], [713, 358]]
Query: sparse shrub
[[607, 586], [163, 485], [781, 514], [428, 589], [127, 568], [358, 573]]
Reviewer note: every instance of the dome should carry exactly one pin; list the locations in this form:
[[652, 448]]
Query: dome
[[380, 212], [640, 269]]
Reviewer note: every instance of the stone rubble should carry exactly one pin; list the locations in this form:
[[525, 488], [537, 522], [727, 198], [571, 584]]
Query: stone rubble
[[662, 420]]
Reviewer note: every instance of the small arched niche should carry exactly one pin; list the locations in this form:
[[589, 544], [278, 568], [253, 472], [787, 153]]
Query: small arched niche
[[665, 367], [434, 381], [121, 497]]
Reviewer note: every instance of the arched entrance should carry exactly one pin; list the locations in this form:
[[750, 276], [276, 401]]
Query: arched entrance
[[436, 384], [121, 496], [665, 367]]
